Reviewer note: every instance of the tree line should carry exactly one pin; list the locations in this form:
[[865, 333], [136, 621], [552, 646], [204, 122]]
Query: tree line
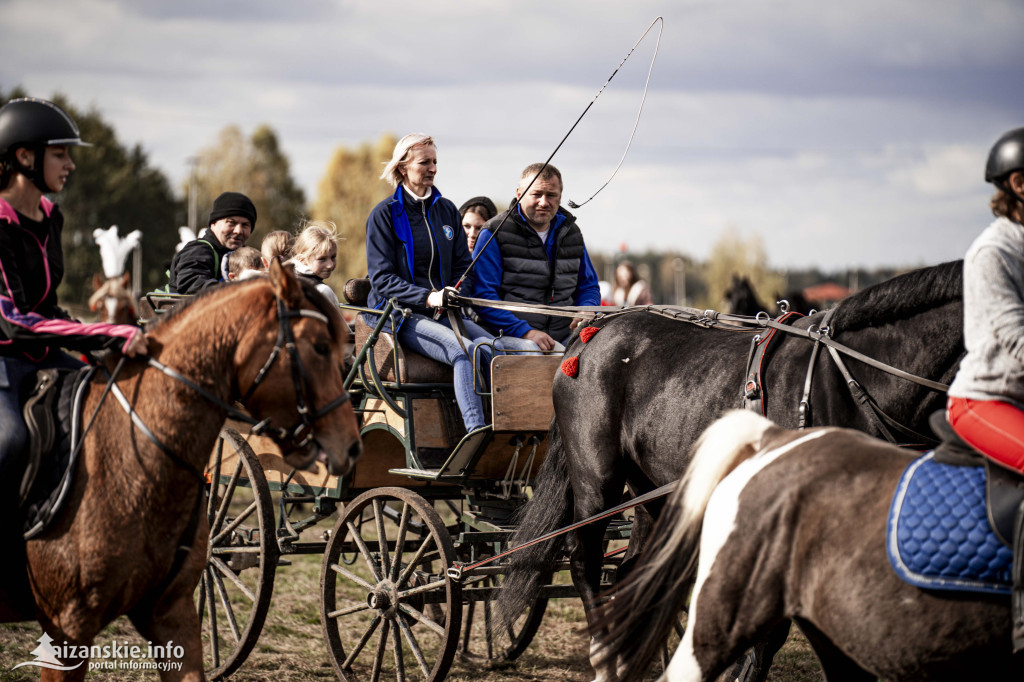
[[115, 184]]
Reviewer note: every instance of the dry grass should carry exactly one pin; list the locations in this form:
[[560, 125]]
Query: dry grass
[[291, 647]]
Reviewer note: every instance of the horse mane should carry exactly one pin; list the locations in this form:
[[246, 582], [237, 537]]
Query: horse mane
[[901, 297], [314, 297]]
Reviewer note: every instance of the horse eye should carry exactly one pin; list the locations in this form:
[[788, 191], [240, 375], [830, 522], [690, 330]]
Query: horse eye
[[322, 349]]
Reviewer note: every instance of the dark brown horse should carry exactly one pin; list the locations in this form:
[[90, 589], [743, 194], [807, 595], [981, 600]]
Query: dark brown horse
[[112, 549], [791, 525]]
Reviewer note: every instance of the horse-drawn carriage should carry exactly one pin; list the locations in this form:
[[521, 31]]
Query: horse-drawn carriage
[[422, 498]]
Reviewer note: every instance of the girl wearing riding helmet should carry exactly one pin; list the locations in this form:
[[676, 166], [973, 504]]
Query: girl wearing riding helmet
[[35, 159], [986, 398], [415, 247]]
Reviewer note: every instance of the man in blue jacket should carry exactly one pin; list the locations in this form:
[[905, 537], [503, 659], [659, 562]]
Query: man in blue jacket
[[538, 256]]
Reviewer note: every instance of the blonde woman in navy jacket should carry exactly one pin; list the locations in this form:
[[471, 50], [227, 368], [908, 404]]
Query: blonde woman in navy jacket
[[415, 247]]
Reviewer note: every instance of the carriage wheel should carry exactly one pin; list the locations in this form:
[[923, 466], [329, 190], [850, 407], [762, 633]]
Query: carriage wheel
[[386, 613], [234, 593], [478, 644]]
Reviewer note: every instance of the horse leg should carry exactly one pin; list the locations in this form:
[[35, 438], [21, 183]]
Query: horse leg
[[173, 627], [754, 666], [837, 666]]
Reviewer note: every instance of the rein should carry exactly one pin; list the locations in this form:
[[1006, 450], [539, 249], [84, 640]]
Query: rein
[[711, 319]]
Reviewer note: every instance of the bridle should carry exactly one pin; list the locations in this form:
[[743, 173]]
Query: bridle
[[288, 439]]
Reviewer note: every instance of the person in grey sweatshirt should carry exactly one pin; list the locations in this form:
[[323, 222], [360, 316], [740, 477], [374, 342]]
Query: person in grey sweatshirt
[[986, 399]]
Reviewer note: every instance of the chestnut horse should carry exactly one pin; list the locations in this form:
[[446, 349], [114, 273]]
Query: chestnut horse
[[791, 525], [112, 299], [270, 343]]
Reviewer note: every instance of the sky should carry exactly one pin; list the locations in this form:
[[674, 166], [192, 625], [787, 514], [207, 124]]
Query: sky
[[842, 134]]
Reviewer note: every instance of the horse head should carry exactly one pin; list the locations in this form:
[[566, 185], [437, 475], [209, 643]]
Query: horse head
[[112, 299], [740, 297], [291, 376]]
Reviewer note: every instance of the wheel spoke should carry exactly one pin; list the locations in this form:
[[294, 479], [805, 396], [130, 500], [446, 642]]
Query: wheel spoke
[[214, 481], [230, 575], [381, 647], [364, 550], [414, 562], [347, 611], [414, 645], [382, 538], [201, 605], [228, 611], [352, 576], [400, 542], [214, 640], [399, 655], [421, 618], [235, 523], [362, 642], [226, 499]]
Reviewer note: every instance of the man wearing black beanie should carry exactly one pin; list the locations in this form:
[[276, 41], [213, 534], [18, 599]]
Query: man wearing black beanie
[[198, 264]]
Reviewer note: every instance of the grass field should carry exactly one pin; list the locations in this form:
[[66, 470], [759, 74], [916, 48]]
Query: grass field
[[291, 647]]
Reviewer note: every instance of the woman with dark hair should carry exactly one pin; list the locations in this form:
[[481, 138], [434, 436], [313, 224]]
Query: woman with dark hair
[[629, 288], [36, 137], [475, 213], [986, 399]]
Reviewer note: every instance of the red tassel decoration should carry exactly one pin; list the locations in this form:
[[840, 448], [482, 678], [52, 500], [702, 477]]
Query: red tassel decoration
[[588, 333], [570, 367]]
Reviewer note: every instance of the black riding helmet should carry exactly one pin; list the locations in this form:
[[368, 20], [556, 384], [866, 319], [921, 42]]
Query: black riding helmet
[[36, 124], [1007, 156]]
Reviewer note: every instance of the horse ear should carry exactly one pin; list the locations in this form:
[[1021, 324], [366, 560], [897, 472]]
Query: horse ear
[[96, 281], [126, 278], [286, 287]]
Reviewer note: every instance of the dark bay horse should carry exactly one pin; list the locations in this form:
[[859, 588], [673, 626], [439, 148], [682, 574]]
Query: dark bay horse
[[113, 547], [791, 525], [647, 386]]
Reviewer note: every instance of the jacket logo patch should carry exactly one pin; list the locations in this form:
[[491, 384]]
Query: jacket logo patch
[[448, 232]]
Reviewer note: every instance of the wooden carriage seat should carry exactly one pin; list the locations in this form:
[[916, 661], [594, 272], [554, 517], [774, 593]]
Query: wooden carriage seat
[[412, 367]]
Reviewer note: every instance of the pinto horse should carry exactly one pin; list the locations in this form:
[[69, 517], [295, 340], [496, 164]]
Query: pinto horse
[[791, 526], [647, 386], [270, 343]]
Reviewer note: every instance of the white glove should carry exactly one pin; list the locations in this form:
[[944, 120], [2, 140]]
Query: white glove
[[435, 299]]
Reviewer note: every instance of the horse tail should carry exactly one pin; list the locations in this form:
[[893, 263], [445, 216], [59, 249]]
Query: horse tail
[[549, 509], [633, 624]]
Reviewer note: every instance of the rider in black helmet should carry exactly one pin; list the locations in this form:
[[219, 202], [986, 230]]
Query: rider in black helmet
[[35, 159], [986, 399]]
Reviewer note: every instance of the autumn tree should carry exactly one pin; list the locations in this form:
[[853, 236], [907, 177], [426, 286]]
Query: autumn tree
[[733, 255], [256, 167], [113, 184], [349, 189]]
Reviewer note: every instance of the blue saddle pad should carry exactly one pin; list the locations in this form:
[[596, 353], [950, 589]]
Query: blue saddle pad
[[938, 534]]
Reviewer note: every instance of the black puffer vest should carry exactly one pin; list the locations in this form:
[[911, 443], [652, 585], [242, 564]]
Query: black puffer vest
[[528, 275]]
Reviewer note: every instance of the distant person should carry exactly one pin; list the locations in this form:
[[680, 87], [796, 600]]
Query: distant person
[[414, 249], [36, 137], [316, 255], [475, 213], [629, 288], [244, 263], [200, 263], [538, 256], [277, 245], [986, 399]]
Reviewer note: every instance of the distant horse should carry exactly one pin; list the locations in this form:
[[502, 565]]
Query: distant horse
[[138, 490], [112, 299], [796, 531], [647, 386], [741, 299]]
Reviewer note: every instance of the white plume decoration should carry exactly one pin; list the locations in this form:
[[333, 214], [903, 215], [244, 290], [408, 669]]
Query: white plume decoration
[[185, 235], [114, 250]]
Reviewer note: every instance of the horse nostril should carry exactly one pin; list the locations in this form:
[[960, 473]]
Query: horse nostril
[[355, 450]]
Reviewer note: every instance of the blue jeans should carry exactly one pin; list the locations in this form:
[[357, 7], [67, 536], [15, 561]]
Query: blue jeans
[[13, 432], [436, 340]]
